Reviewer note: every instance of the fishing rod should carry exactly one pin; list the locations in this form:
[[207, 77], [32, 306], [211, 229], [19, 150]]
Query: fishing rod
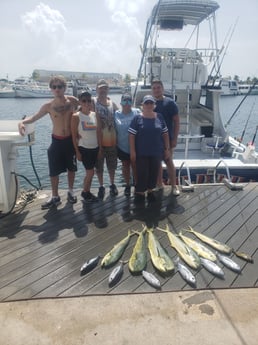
[[239, 105], [243, 133], [254, 135]]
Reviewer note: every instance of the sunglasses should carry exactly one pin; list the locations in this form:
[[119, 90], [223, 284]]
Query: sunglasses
[[86, 100], [59, 87], [126, 101]]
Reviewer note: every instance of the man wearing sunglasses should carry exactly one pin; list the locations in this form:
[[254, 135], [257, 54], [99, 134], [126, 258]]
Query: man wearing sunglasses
[[61, 153], [123, 119], [105, 109]]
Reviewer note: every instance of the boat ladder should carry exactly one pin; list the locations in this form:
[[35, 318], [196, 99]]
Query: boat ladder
[[227, 181], [188, 186]]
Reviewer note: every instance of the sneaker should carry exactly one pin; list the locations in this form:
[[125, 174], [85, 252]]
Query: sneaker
[[72, 199], [101, 192], [55, 201], [139, 198], [175, 191], [127, 190], [151, 197], [89, 197], [113, 190]]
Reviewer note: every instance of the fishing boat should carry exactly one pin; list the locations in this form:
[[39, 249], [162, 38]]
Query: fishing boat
[[205, 151]]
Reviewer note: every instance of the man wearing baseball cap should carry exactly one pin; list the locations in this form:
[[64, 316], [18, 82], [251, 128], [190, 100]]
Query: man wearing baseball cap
[[105, 109]]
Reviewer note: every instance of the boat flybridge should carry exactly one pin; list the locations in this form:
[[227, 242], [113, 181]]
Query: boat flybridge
[[205, 151]]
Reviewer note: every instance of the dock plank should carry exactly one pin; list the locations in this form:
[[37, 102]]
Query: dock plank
[[41, 252]]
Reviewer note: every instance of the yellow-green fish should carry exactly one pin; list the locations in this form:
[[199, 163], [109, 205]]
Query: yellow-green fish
[[138, 259], [116, 252], [221, 247], [184, 251], [199, 248], [159, 256]]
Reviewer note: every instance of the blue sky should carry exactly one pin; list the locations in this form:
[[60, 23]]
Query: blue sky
[[105, 36]]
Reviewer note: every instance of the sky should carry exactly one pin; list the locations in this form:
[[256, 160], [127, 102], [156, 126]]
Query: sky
[[106, 35]]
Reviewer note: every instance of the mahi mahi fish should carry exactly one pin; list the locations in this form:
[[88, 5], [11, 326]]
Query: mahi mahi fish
[[219, 246], [212, 268], [184, 251], [138, 259], [200, 249], [229, 263], [89, 265], [159, 256], [151, 279], [116, 252]]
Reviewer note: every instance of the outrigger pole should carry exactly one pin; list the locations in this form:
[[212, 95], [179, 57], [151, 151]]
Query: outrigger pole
[[146, 39], [217, 64], [225, 50], [239, 105]]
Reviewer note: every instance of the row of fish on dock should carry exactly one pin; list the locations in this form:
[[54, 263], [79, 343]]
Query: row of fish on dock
[[192, 252]]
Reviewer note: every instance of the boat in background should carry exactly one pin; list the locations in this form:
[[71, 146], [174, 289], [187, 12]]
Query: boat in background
[[7, 92], [245, 89], [205, 151], [227, 87], [33, 89], [6, 89]]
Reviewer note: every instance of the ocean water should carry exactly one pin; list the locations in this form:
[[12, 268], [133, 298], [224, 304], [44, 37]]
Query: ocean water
[[15, 109]]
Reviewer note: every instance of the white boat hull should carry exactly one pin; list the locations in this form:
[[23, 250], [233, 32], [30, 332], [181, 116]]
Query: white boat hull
[[27, 92], [7, 93]]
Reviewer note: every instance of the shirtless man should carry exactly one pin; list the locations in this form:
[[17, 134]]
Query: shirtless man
[[61, 154]]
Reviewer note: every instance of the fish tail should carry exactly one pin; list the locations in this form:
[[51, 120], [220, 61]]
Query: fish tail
[[160, 229]]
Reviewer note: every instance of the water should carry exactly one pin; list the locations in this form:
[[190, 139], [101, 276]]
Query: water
[[14, 109]]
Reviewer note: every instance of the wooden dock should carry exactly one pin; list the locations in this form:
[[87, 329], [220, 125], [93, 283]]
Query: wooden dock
[[41, 252]]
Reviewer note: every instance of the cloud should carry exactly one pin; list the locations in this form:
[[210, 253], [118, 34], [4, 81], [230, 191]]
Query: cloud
[[44, 21], [45, 32]]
